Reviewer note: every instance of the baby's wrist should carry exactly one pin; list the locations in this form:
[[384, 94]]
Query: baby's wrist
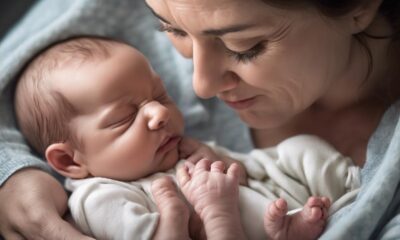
[[173, 212], [213, 211], [173, 224], [222, 224]]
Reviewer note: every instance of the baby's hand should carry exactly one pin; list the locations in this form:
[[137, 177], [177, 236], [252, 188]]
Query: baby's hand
[[194, 151], [241, 169], [213, 190], [208, 188]]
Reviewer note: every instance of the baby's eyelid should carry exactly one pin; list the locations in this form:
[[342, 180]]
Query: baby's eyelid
[[124, 120]]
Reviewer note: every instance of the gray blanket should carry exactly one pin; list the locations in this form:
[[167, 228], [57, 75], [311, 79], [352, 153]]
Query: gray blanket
[[374, 214]]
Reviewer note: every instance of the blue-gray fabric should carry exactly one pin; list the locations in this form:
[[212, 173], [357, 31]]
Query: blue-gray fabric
[[373, 215]]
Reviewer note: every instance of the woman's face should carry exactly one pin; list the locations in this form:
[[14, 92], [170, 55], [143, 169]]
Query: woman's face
[[267, 63]]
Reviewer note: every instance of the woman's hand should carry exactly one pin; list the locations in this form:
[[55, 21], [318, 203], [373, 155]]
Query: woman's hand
[[31, 205]]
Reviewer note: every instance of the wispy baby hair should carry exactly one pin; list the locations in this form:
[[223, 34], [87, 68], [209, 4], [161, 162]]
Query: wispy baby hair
[[43, 113]]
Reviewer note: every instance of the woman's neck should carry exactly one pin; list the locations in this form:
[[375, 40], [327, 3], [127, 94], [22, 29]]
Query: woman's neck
[[367, 74], [348, 129]]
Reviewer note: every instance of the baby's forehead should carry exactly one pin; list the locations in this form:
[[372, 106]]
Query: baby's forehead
[[81, 58], [82, 50], [67, 54]]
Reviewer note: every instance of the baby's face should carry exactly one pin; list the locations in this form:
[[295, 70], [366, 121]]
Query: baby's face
[[127, 125]]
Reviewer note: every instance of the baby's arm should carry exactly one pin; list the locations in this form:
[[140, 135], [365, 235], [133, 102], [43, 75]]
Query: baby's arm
[[102, 206], [174, 213], [214, 195], [194, 151]]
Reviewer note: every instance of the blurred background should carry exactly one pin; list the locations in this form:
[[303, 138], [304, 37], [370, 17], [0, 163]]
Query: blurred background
[[10, 12]]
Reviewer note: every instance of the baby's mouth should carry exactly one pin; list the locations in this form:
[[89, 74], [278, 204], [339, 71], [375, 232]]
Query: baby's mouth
[[168, 143]]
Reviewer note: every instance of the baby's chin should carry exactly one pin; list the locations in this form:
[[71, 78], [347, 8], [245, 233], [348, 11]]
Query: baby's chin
[[170, 160]]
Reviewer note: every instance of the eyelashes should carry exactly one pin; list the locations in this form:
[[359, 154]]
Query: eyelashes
[[176, 32], [127, 119], [248, 55], [240, 57]]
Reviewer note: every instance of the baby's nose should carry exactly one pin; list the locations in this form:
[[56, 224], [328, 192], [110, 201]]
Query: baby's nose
[[157, 115]]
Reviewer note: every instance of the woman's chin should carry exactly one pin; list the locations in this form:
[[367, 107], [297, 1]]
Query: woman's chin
[[261, 121]]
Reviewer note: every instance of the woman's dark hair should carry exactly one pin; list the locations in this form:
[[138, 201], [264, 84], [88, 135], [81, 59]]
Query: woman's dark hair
[[390, 9], [334, 8]]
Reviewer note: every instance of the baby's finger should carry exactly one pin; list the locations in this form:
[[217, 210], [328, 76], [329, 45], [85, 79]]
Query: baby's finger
[[218, 166], [233, 170], [190, 167], [202, 165], [182, 174], [163, 189], [163, 182]]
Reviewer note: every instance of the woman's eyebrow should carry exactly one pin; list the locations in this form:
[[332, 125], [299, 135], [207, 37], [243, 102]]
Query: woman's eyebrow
[[155, 14], [226, 30]]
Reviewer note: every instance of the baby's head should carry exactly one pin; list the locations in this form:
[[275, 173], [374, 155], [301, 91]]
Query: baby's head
[[95, 107]]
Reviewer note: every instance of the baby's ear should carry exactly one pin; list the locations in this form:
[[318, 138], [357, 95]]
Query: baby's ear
[[60, 156]]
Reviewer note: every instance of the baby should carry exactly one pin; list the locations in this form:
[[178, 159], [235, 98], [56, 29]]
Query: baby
[[102, 118]]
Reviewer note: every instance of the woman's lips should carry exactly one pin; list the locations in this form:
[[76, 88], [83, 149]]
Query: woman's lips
[[169, 144], [242, 104]]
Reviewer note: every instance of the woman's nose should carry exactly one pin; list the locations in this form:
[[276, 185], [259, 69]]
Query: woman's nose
[[157, 115], [211, 75]]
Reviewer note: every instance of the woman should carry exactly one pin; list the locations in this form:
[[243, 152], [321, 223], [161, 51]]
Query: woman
[[289, 70], [317, 67], [326, 68]]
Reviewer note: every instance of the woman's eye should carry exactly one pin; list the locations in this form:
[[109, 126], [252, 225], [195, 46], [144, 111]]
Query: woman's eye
[[176, 32], [248, 55]]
